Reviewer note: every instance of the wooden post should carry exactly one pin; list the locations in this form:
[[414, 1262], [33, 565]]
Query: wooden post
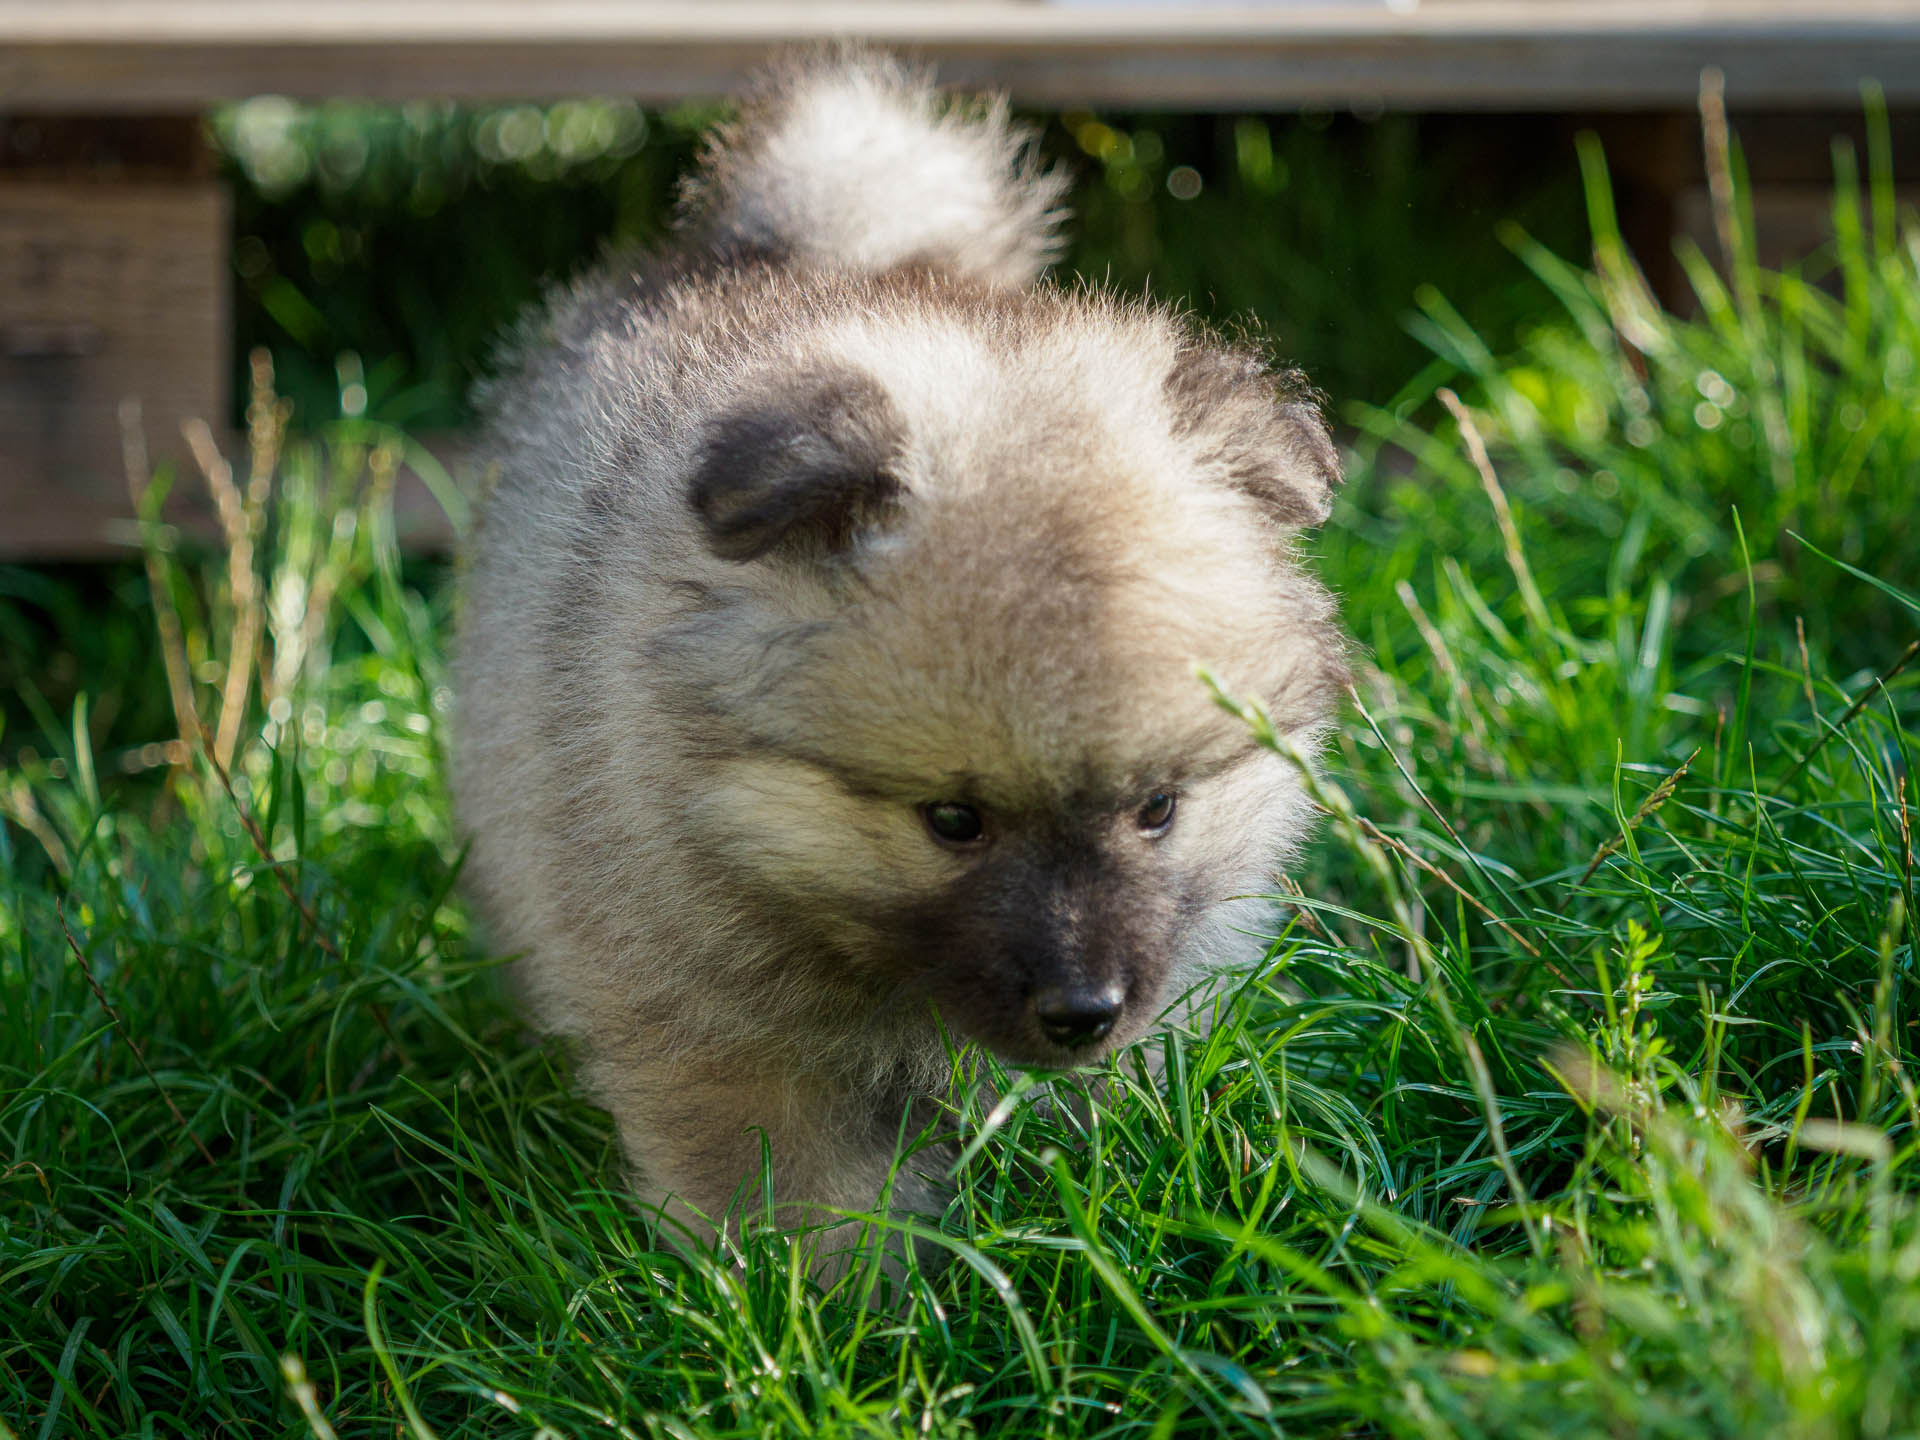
[[113, 287]]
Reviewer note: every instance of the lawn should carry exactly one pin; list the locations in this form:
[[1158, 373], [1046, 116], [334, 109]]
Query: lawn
[[1574, 1093]]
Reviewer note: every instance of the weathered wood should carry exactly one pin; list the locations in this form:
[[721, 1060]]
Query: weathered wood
[[184, 54], [107, 291], [104, 147]]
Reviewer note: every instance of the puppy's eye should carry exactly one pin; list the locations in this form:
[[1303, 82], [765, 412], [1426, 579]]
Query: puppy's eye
[[1155, 817], [953, 824]]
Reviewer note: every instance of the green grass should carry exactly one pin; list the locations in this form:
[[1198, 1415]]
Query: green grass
[[1575, 1096]]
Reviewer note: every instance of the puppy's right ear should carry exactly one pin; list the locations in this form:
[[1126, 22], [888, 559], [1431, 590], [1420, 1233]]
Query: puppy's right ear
[[806, 466], [1257, 430]]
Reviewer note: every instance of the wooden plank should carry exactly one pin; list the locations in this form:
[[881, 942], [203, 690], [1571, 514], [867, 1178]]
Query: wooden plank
[[107, 291], [120, 147], [105, 55]]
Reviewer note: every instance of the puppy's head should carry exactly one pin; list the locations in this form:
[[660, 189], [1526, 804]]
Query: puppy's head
[[973, 760]]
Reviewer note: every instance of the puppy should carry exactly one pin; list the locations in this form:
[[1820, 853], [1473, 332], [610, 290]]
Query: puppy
[[826, 662]]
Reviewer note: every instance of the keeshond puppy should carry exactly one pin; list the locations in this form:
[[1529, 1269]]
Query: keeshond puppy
[[826, 666]]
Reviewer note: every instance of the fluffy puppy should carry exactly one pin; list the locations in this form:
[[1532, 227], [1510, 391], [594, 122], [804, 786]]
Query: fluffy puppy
[[826, 661]]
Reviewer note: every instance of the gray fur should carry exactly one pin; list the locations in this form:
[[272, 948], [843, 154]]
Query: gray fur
[[820, 517]]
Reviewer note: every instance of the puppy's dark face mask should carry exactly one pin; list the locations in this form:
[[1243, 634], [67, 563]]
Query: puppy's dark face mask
[[1051, 948]]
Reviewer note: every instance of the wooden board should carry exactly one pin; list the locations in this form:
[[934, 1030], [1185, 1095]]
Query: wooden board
[[99, 55], [107, 292]]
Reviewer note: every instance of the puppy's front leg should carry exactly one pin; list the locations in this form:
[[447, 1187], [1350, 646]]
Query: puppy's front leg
[[709, 1133]]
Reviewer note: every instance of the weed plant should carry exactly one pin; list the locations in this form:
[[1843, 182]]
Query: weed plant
[[1574, 1093]]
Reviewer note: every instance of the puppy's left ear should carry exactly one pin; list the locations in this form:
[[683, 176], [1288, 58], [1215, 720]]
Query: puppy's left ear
[[802, 468], [1259, 431]]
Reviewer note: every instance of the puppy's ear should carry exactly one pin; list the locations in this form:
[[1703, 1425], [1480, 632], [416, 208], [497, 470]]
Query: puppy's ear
[[1260, 431], [806, 465]]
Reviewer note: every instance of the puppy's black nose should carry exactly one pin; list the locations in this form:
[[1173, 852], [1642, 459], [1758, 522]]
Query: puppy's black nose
[[1075, 1015]]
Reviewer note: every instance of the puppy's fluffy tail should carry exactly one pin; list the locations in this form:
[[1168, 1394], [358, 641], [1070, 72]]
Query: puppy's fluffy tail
[[850, 160]]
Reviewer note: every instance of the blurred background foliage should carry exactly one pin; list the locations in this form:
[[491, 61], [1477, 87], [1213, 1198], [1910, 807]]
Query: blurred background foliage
[[380, 251]]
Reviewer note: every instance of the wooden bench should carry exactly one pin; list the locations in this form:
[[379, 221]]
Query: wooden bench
[[151, 55], [113, 276]]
